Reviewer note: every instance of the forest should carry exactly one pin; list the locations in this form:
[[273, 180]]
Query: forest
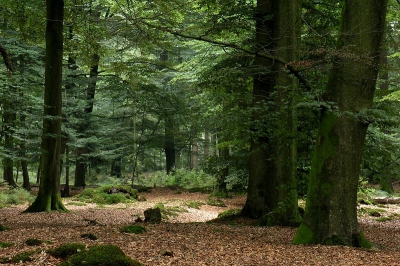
[[271, 127]]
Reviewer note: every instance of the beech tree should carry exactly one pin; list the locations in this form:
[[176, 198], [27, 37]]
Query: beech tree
[[49, 197], [272, 186], [331, 208]]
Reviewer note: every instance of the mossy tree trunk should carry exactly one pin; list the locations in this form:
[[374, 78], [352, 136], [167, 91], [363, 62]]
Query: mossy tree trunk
[[331, 208], [272, 186], [49, 197]]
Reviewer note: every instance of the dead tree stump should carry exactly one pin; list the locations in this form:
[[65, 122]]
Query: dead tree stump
[[152, 215]]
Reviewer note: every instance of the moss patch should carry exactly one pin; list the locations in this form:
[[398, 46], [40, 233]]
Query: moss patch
[[3, 228], [304, 235], [89, 236], [215, 201], [102, 255], [6, 245], [133, 229], [66, 250], [33, 242]]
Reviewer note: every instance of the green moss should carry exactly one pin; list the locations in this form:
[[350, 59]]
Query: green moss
[[304, 235], [33, 242], [359, 240], [133, 229], [3, 228], [110, 194], [215, 201], [169, 210], [89, 236], [103, 255], [5, 245], [76, 203], [194, 204], [230, 214], [23, 256], [66, 250]]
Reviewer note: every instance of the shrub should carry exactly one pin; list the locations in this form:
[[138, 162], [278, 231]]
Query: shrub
[[102, 255], [133, 229], [66, 250]]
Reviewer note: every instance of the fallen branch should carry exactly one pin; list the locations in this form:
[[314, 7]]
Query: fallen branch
[[387, 200]]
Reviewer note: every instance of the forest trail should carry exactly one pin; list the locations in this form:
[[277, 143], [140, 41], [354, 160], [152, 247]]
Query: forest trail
[[187, 234]]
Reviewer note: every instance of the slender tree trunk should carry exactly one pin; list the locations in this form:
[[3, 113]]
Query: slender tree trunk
[[331, 208], [195, 151], [272, 189], [49, 197], [220, 187], [80, 166], [9, 116], [169, 145]]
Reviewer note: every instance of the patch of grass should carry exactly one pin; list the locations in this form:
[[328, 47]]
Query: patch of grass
[[133, 229], [102, 255], [215, 201], [66, 250], [76, 203], [194, 204], [33, 242], [89, 236], [15, 196], [6, 245], [167, 211]]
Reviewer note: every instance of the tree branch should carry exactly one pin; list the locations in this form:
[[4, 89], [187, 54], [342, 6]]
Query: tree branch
[[287, 65]]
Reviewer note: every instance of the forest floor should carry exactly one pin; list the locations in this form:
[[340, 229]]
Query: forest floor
[[190, 237]]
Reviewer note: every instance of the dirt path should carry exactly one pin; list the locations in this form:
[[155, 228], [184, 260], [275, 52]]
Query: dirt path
[[188, 237]]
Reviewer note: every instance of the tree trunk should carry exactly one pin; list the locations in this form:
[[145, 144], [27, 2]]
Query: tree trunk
[[116, 169], [195, 151], [331, 208], [49, 197], [80, 166], [9, 117], [272, 189], [220, 187]]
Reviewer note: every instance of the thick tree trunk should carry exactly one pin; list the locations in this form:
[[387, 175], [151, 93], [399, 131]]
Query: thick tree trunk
[[49, 197], [272, 189], [331, 208]]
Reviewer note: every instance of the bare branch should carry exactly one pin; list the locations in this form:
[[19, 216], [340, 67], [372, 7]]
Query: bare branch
[[263, 54]]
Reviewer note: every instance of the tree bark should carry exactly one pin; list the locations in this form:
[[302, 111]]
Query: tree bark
[[49, 197], [331, 208], [272, 189]]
